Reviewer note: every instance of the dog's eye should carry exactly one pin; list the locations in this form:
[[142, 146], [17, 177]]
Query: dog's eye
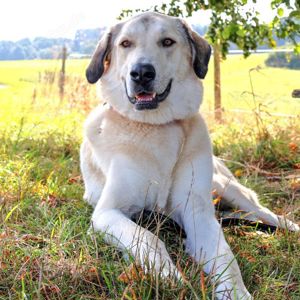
[[126, 44], [167, 42]]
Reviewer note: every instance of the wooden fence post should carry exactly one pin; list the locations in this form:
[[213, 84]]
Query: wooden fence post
[[62, 74]]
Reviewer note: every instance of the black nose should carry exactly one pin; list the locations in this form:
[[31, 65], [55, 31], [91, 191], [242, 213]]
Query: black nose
[[142, 73]]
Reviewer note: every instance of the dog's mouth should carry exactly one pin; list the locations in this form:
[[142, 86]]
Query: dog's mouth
[[149, 100]]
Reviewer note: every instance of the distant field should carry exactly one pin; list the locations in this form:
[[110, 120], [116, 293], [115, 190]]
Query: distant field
[[272, 86], [45, 251]]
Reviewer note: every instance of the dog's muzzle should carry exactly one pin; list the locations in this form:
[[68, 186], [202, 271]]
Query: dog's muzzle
[[142, 77], [148, 100]]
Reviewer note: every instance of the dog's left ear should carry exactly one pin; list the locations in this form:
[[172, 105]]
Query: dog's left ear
[[101, 57], [97, 65], [201, 51]]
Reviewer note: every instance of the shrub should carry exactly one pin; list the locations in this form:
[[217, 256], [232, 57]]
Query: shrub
[[283, 60]]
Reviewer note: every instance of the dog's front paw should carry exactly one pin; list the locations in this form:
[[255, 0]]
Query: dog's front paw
[[155, 259], [229, 291], [234, 295], [162, 267]]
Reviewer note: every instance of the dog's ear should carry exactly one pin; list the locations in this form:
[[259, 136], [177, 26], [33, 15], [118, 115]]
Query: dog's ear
[[100, 59], [201, 51], [202, 55]]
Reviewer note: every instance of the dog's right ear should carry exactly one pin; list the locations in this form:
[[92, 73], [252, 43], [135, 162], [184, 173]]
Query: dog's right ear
[[201, 50], [100, 58]]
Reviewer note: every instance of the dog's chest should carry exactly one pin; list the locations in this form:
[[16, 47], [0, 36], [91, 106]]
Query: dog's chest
[[154, 147]]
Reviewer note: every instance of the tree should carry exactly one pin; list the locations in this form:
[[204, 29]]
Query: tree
[[238, 22], [17, 53]]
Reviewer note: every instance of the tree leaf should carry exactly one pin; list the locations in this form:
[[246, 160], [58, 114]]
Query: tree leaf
[[295, 14], [280, 12], [226, 33], [241, 32], [297, 49]]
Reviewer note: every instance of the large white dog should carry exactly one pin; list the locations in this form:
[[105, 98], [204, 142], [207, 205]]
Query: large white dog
[[149, 148]]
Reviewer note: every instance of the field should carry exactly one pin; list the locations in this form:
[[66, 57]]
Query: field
[[45, 251]]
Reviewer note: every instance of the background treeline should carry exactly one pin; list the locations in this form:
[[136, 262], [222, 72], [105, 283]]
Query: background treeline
[[82, 45], [48, 48], [284, 60], [85, 41]]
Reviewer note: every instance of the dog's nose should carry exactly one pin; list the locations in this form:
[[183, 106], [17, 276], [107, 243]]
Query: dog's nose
[[142, 73]]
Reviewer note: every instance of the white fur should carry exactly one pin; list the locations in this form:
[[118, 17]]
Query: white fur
[[161, 160]]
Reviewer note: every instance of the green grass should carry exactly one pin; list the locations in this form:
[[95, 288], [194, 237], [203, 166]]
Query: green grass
[[45, 251], [273, 86]]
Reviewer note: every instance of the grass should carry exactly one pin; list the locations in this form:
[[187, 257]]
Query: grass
[[45, 251]]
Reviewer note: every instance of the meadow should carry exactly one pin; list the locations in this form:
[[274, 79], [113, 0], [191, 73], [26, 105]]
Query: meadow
[[45, 250]]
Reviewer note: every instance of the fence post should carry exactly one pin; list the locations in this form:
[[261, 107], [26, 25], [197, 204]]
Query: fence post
[[62, 74]]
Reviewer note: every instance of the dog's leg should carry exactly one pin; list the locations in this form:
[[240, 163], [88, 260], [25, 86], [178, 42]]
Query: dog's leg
[[192, 207], [238, 196], [205, 240], [124, 190], [146, 247], [135, 240]]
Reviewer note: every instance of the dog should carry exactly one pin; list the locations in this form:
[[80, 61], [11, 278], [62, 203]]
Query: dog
[[149, 149]]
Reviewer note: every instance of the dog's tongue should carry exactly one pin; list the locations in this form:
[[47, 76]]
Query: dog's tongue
[[145, 97]]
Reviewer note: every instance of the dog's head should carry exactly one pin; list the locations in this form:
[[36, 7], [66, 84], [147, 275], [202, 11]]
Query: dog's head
[[150, 68]]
